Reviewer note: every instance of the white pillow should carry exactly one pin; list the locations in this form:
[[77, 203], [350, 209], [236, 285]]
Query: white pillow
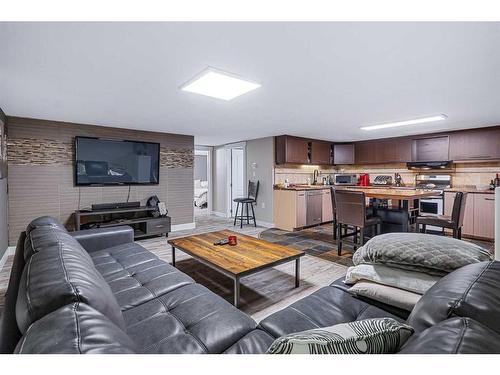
[[386, 294], [417, 282], [370, 336], [204, 184]]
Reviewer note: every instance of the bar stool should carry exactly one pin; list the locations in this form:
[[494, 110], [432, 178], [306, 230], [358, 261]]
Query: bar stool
[[334, 211], [253, 191], [454, 222], [351, 214]]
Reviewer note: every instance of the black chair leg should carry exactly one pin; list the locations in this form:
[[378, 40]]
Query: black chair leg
[[417, 227], [248, 216], [241, 215], [355, 239], [460, 233], [253, 214], [362, 236], [339, 243], [236, 213], [334, 229], [424, 228], [455, 233]]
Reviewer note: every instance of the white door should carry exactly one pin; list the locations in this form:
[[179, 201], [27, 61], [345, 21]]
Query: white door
[[237, 177]]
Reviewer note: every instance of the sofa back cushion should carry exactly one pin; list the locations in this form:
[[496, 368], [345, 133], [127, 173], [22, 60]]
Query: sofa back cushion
[[470, 291], [41, 238], [75, 329], [61, 274], [454, 336], [44, 221]]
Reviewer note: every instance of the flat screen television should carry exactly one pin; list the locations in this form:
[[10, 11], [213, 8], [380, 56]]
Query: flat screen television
[[113, 162]]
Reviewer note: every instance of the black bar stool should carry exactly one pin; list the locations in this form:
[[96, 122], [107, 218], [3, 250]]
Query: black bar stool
[[454, 222], [253, 191]]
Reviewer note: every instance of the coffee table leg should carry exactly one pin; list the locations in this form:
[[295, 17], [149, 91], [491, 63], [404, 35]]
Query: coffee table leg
[[297, 272], [236, 292], [173, 256]]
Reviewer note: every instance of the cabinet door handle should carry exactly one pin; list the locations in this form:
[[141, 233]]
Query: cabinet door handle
[[489, 199]]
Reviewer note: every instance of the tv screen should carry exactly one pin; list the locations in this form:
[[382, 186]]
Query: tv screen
[[111, 162]]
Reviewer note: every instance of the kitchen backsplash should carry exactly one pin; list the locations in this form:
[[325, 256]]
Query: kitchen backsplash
[[463, 174]]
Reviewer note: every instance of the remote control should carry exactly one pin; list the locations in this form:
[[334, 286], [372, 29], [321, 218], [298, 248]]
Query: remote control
[[224, 241]]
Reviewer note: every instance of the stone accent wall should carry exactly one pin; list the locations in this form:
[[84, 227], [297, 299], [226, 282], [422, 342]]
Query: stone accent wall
[[31, 151]]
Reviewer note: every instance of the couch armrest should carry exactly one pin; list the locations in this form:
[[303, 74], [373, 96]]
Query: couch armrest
[[102, 238]]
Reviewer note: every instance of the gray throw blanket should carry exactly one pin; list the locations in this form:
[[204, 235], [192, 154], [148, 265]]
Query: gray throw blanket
[[432, 254]]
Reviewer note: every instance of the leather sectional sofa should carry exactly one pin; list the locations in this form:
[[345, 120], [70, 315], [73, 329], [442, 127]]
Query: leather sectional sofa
[[97, 291]]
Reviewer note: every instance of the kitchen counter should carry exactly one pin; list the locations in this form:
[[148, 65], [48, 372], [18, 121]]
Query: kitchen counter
[[303, 187], [471, 190]]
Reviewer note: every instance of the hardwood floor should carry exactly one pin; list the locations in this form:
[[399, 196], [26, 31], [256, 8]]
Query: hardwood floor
[[261, 294]]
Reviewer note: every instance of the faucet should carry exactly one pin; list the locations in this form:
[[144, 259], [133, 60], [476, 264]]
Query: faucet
[[315, 176]]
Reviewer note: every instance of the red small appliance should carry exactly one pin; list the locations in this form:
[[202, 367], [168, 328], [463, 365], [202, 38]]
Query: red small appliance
[[364, 179]]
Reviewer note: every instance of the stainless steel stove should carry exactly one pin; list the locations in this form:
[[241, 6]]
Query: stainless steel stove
[[433, 205]]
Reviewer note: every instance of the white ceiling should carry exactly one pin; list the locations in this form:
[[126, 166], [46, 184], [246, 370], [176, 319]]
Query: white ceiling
[[320, 80]]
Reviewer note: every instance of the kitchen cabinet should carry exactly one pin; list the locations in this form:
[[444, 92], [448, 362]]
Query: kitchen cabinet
[[475, 144], [430, 149], [479, 217], [321, 153], [380, 151], [292, 208], [327, 210], [291, 150], [484, 215], [343, 154], [364, 152]]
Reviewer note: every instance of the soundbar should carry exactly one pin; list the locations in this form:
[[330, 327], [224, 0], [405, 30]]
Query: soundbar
[[110, 206]]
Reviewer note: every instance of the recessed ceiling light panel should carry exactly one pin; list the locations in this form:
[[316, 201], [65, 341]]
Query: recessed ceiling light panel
[[218, 84], [421, 120]]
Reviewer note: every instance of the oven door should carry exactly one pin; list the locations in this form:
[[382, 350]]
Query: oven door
[[433, 206]]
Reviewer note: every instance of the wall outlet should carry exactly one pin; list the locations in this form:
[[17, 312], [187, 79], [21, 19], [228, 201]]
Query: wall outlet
[[263, 205]]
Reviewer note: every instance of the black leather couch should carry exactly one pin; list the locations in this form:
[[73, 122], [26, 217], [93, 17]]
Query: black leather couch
[[97, 291]]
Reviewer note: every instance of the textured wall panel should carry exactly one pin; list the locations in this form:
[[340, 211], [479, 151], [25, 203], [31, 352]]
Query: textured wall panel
[[41, 158]]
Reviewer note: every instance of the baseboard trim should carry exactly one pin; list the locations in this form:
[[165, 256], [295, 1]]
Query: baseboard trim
[[10, 251], [187, 226], [265, 224], [219, 214]]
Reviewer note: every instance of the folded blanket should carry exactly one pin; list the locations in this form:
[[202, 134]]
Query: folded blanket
[[435, 255], [416, 282]]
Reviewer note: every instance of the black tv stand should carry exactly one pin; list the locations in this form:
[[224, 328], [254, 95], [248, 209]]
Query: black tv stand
[[139, 218]]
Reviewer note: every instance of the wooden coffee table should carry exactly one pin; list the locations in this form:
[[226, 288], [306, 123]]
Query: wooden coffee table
[[249, 256]]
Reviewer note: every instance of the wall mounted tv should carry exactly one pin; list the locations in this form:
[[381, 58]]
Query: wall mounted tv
[[113, 162]]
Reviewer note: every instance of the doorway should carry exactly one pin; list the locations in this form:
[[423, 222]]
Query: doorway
[[202, 182], [236, 176]]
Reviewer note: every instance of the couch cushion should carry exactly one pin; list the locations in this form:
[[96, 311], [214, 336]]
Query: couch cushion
[[60, 275], [44, 221], [454, 336], [135, 275], [190, 319], [471, 291], [41, 238], [254, 342], [75, 329], [325, 307]]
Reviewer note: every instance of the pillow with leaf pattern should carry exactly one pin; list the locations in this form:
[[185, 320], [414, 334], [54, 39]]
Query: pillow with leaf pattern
[[369, 336]]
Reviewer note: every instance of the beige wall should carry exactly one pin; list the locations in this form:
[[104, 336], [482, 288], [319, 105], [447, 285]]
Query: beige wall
[[41, 169], [260, 162], [219, 174]]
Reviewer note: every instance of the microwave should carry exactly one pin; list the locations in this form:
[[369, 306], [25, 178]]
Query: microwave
[[345, 179]]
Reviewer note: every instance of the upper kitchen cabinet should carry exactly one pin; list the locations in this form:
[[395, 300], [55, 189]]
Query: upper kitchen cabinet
[[475, 144], [292, 150], [321, 152], [343, 154], [391, 150], [430, 149]]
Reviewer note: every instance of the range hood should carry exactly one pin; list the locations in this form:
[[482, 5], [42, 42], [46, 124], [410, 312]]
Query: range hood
[[427, 165]]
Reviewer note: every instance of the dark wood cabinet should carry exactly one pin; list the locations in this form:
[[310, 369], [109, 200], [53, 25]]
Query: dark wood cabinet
[[321, 152], [343, 154], [292, 150], [476, 144], [380, 151], [364, 152], [430, 148]]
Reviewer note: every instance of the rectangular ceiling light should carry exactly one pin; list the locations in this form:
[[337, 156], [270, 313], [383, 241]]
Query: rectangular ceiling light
[[406, 122], [218, 84]]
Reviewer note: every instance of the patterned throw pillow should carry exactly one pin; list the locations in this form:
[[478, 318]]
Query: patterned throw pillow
[[370, 336]]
